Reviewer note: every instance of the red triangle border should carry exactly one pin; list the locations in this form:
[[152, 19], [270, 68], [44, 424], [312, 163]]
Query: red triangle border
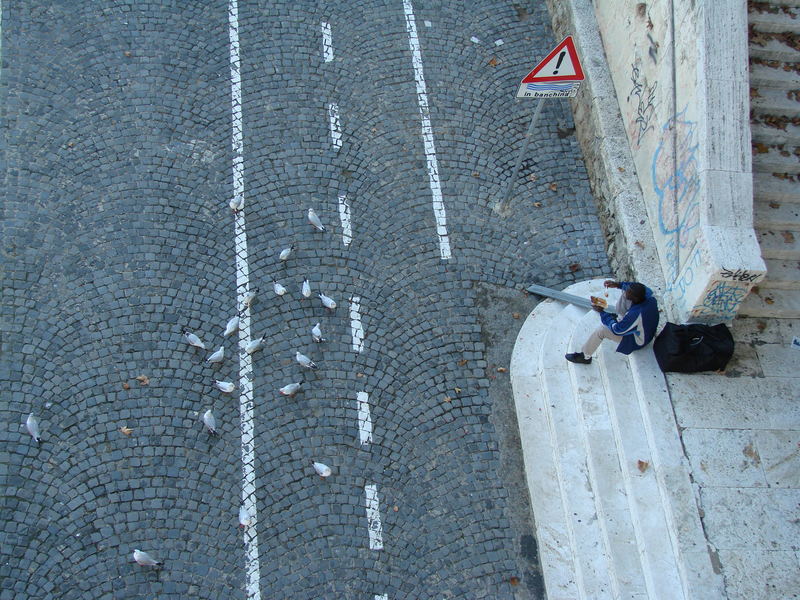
[[569, 44]]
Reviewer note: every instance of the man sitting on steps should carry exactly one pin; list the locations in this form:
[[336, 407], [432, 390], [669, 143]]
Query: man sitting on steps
[[637, 324]]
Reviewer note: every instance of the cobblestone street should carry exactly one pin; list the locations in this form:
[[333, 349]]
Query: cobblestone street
[[120, 159]]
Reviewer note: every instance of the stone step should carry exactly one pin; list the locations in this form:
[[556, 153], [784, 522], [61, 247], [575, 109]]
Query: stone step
[[773, 136], [776, 159], [776, 215], [781, 274], [768, 47], [771, 303], [768, 188], [775, 22], [775, 102], [773, 74], [790, 3], [783, 244]]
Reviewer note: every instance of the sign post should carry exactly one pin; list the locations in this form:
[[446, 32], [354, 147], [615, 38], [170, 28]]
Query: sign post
[[558, 75]]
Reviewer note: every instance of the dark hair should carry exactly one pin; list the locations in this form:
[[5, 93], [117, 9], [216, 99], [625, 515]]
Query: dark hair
[[638, 292]]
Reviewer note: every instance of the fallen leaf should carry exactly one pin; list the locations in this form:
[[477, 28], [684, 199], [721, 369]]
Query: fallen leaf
[[621, 169], [493, 62], [532, 177], [143, 379], [788, 237], [502, 370], [761, 325], [457, 390], [126, 386], [638, 244], [642, 465], [395, 508], [769, 300], [462, 362], [447, 398], [554, 186], [514, 581], [537, 204], [761, 148], [575, 267], [127, 53], [359, 375], [515, 315], [476, 174], [774, 204], [126, 430]]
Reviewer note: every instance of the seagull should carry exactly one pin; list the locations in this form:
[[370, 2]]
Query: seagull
[[314, 220], [244, 517], [193, 339], [237, 203], [144, 559], [217, 356], [232, 325], [32, 424], [322, 470], [291, 389], [306, 288], [210, 422], [254, 345], [286, 253], [224, 386], [304, 361], [249, 297], [316, 334], [279, 289], [326, 301]]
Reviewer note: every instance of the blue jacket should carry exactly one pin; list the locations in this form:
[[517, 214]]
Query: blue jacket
[[637, 326]]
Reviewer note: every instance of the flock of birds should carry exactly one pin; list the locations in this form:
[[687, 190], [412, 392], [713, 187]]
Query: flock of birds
[[227, 387]]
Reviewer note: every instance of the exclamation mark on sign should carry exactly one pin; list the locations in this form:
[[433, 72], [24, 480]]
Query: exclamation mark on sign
[[558, 64]]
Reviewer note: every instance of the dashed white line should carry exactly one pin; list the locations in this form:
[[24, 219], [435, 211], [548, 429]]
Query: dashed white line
[[327, 42], [427, 133], [344, 217], [336, 128], [364, 419], [382, 597], [373, 518], [356, 328], [249, 485]]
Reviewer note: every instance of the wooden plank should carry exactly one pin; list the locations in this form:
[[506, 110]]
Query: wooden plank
[[540, 290]]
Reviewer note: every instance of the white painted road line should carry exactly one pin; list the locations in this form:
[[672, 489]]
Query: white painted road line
[[427, 133], [336, 128], [253, 572], [344, 217], [355, 324], [382, 597], [327, 42], [364, 418], [373, 518]]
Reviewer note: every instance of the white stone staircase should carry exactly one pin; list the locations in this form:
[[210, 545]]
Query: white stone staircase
[[775, 128], [615, 511]]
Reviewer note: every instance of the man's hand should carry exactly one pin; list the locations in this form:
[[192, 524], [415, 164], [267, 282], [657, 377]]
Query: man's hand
[[610, 283]]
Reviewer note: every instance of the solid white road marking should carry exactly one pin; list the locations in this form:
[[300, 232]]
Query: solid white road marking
[[364, 418], [427, 133], [344, 217], [373, 518], [355, 324], [336, 128], [253, 576], [327, 42]]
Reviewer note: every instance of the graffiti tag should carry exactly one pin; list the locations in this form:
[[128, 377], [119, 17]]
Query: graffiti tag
[[645, 104], [740, 275]]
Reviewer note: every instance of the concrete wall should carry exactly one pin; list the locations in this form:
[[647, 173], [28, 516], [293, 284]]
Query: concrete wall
[[680, 72]]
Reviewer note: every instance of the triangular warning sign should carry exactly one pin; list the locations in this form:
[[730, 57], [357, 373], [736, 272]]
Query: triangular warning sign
[[561, 64]]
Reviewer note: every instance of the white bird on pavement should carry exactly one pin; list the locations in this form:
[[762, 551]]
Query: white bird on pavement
[[254, 345], [144, 559], [305, 289], [210, 422], [224, 386], [314, 220], [244, 517], [286, 253], [32, 424], [233, 325], [291, 389], [322, 469], [279, 289], [193, 339], [304, 361], [250, 297], [327, 302], [316, 334], [218, 356], [237, 203]]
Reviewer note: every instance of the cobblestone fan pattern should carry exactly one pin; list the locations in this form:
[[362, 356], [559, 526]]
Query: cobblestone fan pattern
[[117, 235]]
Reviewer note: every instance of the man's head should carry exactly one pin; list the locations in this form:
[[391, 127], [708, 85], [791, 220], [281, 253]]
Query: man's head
[[636, 293]]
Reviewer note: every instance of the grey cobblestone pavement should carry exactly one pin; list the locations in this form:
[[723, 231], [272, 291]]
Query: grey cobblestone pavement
[[117, 234]]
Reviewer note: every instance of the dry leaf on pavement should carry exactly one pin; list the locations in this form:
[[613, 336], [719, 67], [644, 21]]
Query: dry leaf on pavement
[[126, 430], [642, 465], [143, 379]]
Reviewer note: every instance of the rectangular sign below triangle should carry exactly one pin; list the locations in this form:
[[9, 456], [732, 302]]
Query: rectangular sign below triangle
[[558, 75], [568, 89]]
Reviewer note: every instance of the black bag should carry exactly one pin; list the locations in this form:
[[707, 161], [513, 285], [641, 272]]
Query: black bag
[[692, 348]]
